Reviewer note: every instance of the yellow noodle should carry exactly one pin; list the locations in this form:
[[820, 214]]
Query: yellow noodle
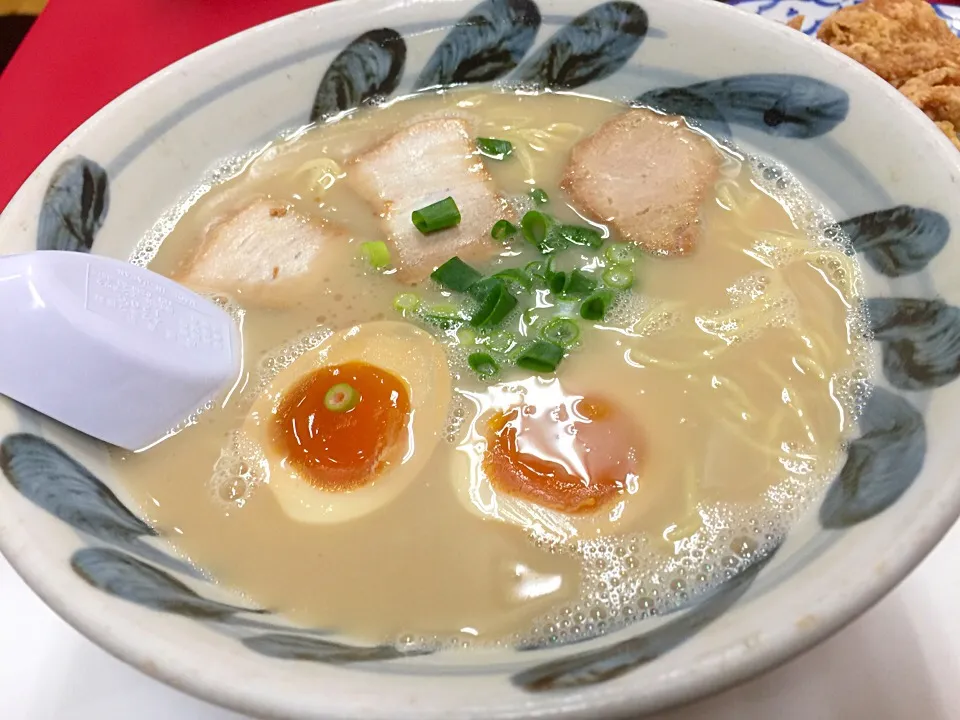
[[691, 522], [740, 395]]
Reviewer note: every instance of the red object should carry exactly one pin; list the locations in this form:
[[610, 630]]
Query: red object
[[81, 54]]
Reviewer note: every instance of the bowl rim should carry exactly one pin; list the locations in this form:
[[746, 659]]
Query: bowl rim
[[707, 677]]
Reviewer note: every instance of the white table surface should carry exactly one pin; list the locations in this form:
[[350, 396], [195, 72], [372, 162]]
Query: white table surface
[[900, 661]]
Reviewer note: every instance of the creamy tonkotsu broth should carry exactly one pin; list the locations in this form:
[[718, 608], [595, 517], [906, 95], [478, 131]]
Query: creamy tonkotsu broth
[[362, 477]]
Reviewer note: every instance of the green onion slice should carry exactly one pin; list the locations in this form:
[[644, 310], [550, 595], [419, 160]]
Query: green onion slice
[[406, 302], [503, 230], [376, 253], [456, 275], [496, 302], [619, 277], [556, 282], [466, 336], [441, 215], [535, 226], [619, 254], [580, 235], [542, 231], [561, 331], [342, 397], [579, 283], [501, 341], [515, 277], [494, 147], [443, 316], [539, 196], [575, 283], [483, 364], [537, 271], [542, 356], [529, 318], [480, 289], [595, 306]]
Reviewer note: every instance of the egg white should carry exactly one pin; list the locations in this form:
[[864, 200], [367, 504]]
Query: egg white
[[399, 348]]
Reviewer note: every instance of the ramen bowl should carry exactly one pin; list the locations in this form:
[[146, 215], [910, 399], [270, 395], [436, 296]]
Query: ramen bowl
[[69, 529]]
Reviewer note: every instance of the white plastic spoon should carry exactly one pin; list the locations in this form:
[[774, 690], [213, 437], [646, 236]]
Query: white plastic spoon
[[111, 349]]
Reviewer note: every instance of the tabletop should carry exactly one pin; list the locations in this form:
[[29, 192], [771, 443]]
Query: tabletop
[[898, 661]]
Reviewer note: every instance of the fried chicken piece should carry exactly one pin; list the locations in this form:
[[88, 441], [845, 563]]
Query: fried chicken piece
[[896, 39], [937, 93], [796, 22]]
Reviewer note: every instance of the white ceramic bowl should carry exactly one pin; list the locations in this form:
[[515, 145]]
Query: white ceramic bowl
[[873, 159]]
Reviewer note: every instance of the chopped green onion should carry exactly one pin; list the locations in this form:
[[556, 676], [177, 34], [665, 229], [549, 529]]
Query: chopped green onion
[[575, 283], [406, 302], [496, 302], [542, 356], [580, 235], [579, 283], [514, 353], [494, 147], [619, 254], [483, 364], [595, 306], [515, 277], [535, 227], [556, 282], [456, 275], [481, 288], [530, 317], [539, 196], [561, 331], [502, 341], [376, 253], [342, 397], [564, 306], [440, 215], [443, 316], [543, 232], [466, 336], [502, 230], [619, 277], [537, 271]]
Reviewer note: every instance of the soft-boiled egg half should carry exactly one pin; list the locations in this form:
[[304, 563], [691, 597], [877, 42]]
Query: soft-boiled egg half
[[347, 426], [561, 464]]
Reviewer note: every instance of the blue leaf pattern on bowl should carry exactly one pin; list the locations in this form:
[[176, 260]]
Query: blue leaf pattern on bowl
[[74, 206], [607, 663], [366, 70], [898, 241], [123, 576], [52, 480], [921, 341], [591, 47], [699, 111], [881, 464], [792, 106], [483, 46]]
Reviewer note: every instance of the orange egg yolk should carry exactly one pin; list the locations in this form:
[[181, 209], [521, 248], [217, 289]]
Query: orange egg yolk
[[343, 449], [574, 456]]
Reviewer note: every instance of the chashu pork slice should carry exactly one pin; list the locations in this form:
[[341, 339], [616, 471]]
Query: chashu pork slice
[[419, 165], [264, 254], [647, 175]]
